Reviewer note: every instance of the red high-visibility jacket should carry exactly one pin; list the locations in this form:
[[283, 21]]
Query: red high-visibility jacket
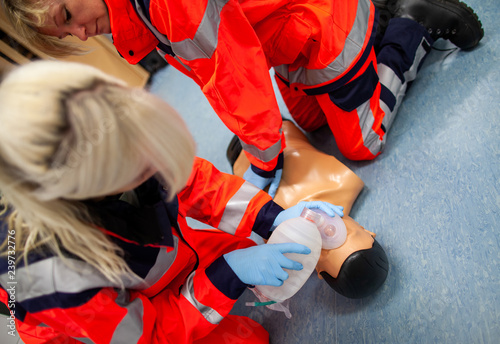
[[185, 288], [228, 46]]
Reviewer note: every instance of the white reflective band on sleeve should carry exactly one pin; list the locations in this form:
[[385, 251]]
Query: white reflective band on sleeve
[[263, 155], [210, 314], [205, 40], [352, 48], [163, 262], [32, 280], [130, 329], [53, 275], [236, 208]]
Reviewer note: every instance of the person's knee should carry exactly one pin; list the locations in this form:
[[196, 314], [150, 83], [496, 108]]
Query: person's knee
[[367, 150]]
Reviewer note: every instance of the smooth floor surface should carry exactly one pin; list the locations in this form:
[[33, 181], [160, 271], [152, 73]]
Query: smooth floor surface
[[432, 198]]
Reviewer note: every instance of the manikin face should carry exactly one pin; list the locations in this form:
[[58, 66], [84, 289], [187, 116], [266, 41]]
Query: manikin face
[[358, 238], [80, 18]]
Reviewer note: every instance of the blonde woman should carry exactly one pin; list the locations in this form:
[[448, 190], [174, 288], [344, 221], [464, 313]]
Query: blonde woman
[[97, 181]]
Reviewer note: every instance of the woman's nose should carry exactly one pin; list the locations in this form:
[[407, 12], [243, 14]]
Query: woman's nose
[[80, 32]]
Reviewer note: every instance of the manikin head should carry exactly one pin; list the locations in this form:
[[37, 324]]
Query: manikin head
[[358, 267]]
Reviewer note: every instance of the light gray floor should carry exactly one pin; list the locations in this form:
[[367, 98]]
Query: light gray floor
[[432, 198]]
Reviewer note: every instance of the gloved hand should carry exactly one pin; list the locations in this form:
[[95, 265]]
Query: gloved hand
[[262, 182], [263, 264], [296, 210]]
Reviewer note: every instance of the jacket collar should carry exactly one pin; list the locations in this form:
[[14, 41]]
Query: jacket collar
[[149, 222], [131, 36]]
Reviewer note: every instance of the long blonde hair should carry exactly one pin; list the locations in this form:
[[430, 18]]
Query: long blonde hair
[[27, 16], [69, 133]]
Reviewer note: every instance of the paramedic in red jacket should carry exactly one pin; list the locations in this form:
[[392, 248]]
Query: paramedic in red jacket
[[97, 182], [331, 66]]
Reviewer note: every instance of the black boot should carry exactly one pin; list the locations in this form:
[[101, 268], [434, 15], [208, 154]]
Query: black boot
[[386, 10], [447, 19], [233, 150]]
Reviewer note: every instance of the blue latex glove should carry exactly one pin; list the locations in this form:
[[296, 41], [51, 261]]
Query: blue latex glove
[[263, 264], [296, 210], [273, 187], [262, 182]]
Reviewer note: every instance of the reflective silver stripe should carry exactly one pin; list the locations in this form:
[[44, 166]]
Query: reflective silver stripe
[[204, 41], [390, 80], [371, 139], [210, 314], [130, 329], [352, 48], [53, 275], [236, 207], [163, 262], [411, 74], [398, 88], [389, 116], [161, 37], [163, 54], [263, 155]]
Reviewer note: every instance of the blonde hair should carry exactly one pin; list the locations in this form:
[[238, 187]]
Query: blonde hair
[[27, 16], [70, 132]]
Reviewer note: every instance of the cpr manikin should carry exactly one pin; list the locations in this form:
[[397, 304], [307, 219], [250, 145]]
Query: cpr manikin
[[357, 268]]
